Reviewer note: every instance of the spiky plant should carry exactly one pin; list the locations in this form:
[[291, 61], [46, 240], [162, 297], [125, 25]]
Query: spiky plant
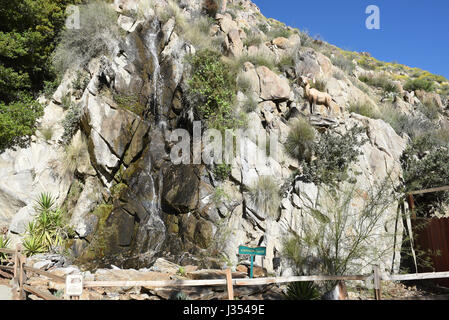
[[45, 202], [4, 243], [33, 245], [300, 140], [265, 195], [305, 290]]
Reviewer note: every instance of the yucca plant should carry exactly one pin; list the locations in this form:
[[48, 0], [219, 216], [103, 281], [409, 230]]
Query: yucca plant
[[45, 202], [33, 245], [4, 243], [305, 290]]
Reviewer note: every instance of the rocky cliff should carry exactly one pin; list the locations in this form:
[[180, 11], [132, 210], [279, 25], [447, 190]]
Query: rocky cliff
[[129, 204]]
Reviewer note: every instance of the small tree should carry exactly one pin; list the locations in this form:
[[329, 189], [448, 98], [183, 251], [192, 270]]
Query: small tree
[[343, 238]]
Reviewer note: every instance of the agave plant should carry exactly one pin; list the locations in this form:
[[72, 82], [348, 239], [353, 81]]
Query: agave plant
[[305, 290]]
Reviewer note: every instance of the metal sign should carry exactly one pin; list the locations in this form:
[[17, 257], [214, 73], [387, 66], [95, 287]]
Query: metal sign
[[259, 251], [74, 285]]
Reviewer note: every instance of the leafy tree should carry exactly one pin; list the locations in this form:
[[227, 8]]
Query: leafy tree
[[28, 33], [18, 122]]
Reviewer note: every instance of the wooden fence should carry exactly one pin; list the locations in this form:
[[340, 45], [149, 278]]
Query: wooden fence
[[14, 268]]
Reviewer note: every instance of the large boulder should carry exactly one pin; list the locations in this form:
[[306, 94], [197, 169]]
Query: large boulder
[[272, 86]]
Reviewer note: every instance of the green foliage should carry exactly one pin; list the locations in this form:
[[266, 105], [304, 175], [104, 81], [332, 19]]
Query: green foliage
[[212, 90], [182, 271], [278, 32], [253, 39], [343, 63], [333, 155], [343, 243], [48, 230], [364, 109], [81, 81], [4, 243], [380, 81], [430, 109], [265, 195], [319, 84], [300, 141], [220, 196], [250, 104], [302, 290], [419, 84], [47, 133], [222, 171], [29, 29], [425, 165], [257, 60], [71, 122], [99, 34], [130, 102], [18, 122]]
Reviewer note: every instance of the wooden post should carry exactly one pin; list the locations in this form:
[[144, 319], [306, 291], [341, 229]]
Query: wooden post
[[22, 276], [411, 203], [229, 284], [377, 283]]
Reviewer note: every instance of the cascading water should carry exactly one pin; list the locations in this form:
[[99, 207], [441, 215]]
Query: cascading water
[[152, 45]]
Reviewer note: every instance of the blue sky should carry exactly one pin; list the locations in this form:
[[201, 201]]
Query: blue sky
[[413, 32]]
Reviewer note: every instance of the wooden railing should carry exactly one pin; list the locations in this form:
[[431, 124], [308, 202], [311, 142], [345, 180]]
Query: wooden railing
[[13, 267], [16, 269]]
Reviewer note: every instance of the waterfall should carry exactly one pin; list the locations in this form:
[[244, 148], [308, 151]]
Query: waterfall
[[152, 45]]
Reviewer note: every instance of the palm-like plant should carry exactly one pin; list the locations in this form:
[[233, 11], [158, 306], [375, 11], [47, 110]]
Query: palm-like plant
[[33, 245], [45, 202], [305, 290], [4, 243]]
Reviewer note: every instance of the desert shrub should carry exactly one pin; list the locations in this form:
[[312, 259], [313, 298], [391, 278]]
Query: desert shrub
[[333, 154], [66, 102], [430, 109], [253, 39], [364, 109], [47, 133], [250, 104], [212, 89], [277, 32], [219, 196], [71, 122], [263, 27], [18, 122], [302, 290], [380, 81], [319, 84], [129, 102], [81, 81], [287, 61], [425, 165], [324, 247], [419, 84], [343, 63], [300, 140], [244, 84], [265, 195], [222, 171], [76, 153], [99, 34], [258, 60]]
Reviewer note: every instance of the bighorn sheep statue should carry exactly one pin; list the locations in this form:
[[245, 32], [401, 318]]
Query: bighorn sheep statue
[[314, 96]]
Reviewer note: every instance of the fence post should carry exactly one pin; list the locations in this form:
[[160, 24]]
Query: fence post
[[22, 276], [377, 283], [229, 284]]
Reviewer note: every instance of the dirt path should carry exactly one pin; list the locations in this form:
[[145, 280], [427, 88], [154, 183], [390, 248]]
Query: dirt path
[[5, 292]]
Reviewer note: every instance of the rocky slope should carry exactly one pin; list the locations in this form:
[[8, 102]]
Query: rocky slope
[[129, 204]]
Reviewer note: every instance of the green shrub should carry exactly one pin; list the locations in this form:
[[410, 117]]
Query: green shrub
[[222, 171], [343, 63], [265, 195], [220, 196], [129, 102], [380, 81], [319, 84], [263, 27], [99, 34], [364, 109], [430, 109], [250, 104], [419, 84], [212, 90], [277, 32], [4, 243], [48, 229], [300, 140], [18, 122], [71, 122], [303, 290], [81, 81], [426, 165], [333, 155], [258, 60], [253, 39]]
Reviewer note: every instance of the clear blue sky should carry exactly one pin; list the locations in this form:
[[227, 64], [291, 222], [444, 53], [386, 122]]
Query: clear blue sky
[[413, 32]]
